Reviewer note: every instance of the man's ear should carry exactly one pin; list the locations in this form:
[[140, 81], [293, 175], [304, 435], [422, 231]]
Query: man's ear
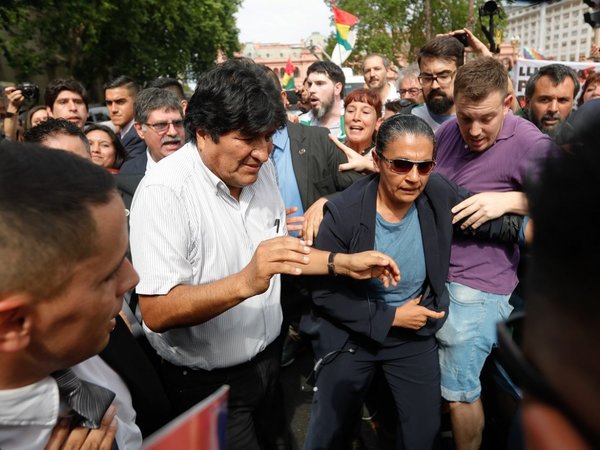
[[138, 128], [15, 322], [201, 138], [49, 111], [337, 88]]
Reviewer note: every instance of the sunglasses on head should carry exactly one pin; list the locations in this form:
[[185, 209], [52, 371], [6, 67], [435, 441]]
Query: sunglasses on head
[[403, 166]]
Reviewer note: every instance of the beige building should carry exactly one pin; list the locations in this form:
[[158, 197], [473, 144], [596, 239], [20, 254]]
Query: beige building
[[276, 55], [556, 29]]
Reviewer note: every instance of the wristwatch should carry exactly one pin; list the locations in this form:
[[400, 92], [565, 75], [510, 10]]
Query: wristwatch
[[331, 265], [9, 114]]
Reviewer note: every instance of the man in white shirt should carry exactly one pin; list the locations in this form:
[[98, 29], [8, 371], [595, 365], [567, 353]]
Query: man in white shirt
[[208, 237], [59, 290]]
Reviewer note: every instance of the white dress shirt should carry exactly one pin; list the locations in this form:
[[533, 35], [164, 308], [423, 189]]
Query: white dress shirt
[[28, 414], [186, 229]]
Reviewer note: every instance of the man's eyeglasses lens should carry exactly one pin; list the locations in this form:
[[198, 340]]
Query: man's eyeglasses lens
[[403, 166], [161, 127], [411, 91]]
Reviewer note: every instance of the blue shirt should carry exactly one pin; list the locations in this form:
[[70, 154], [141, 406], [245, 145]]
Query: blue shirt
[[286, 178], [403, 242]]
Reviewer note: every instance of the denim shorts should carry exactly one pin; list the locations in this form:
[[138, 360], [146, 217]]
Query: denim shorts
[[467, 338]]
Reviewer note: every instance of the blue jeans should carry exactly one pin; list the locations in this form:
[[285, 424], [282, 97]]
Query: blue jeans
[[467, 338]]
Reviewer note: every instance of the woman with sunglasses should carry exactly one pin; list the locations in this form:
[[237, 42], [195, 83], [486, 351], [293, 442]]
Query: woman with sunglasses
[[357, 327]]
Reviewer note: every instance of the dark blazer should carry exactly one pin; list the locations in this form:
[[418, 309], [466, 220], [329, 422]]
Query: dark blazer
[[127, 183], [126, 357], [133, 143], [315, 160], [136, 164], [341, 308]]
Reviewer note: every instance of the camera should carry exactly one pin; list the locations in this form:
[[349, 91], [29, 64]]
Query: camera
[[30, 91], [462, 38]]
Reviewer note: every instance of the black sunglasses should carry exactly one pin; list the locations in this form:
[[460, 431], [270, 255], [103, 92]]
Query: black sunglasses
[[403, 166], [526, 375]]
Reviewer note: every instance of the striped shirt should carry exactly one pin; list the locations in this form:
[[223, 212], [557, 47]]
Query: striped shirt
[[186, 229]]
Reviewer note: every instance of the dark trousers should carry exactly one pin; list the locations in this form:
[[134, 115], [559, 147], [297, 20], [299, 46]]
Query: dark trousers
[[251, 397], [412, 370]]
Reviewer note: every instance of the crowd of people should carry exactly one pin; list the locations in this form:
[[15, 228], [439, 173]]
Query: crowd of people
[[384, 229]]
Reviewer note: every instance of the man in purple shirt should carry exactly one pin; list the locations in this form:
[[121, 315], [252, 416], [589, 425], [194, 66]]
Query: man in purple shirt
[[485, 148]]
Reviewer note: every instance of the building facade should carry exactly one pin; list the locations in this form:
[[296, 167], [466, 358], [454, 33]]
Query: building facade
[[556, 29], [275, 56]]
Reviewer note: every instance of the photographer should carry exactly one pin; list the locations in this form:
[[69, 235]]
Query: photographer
[[19, 96]]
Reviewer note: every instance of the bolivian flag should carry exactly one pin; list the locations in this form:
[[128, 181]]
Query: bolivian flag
[[288, 79], [343, 22]]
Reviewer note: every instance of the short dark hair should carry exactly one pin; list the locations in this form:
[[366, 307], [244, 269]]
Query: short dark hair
[[151, 99], [235, 96], [124, 82], [120, 152], [58, 85], [561, 280], [480, 77], [270, 73], [47, 226], [557, 74], [399, 125], [443, 47], [53, 127], [332, 70], [172, 84]]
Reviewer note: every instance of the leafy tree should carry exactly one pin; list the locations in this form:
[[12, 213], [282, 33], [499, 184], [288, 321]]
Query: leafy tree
[[398, 28], [95, 40]]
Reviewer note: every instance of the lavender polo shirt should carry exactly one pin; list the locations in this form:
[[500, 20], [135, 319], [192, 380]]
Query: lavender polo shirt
[[516, 154]]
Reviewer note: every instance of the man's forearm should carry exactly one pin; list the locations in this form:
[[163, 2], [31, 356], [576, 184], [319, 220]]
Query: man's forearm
[[187, 305]]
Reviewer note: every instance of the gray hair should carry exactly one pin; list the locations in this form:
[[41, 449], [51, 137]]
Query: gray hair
[[151, 99]]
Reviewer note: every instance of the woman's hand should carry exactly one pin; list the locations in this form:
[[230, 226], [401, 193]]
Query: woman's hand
[[356, 161], [413, 316]]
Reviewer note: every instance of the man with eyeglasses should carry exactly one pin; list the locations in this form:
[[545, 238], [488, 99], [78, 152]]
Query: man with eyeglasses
[[159, 123], [409, 86], [438, 61], [119, 97], [485, 148]]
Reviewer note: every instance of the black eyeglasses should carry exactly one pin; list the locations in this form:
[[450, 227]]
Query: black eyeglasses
[[403, 166], [444, 79], [528, 377], [162, 127]]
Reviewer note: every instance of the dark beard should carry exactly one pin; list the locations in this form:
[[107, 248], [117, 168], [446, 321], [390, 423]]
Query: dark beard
[[439, 106], [550, 131]]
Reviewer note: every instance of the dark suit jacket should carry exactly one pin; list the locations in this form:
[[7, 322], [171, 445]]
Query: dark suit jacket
[[126, 357], [127, 183], [136, 165], [133, 143], [315, 160], [341, 306]]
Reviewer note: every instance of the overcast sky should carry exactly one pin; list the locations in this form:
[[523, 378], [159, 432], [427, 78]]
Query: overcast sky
[[282, 21]]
